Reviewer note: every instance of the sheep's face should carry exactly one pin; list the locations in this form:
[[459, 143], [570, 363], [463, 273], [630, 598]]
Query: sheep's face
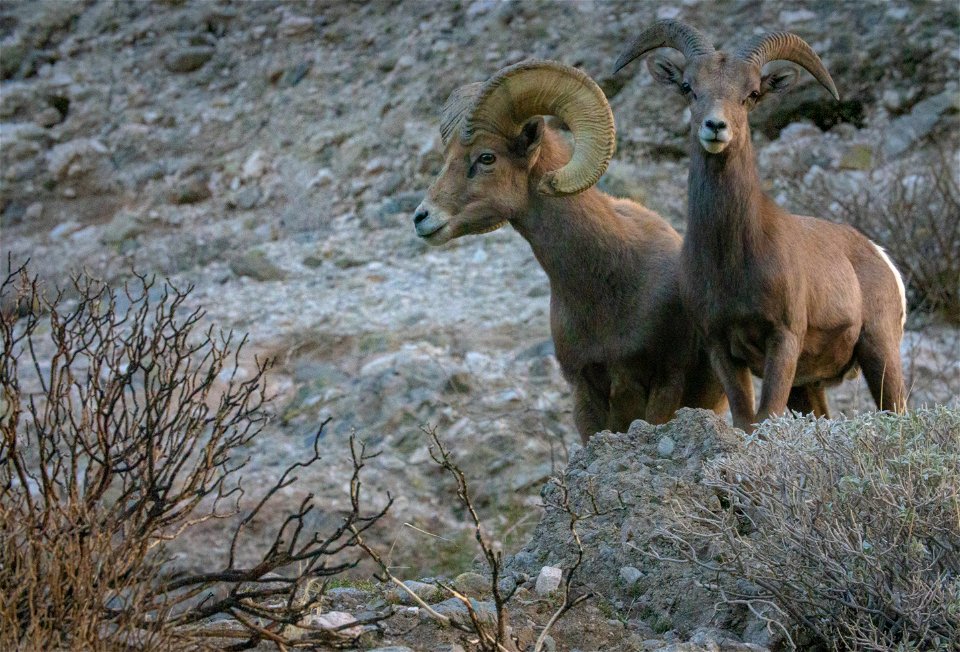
[[482, 185], [722, 91]]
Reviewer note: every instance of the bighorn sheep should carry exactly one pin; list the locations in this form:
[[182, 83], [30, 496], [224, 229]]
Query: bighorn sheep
[[620, 336], [796, 300]]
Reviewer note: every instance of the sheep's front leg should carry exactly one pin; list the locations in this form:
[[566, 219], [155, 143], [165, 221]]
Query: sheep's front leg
[[809, 399], [779, 369], [737, 384], [591, 400]]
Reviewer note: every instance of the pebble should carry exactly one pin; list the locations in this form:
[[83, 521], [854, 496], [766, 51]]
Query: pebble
[[332, 620], [254, 166], [549, 580], [630, 575], [188, 59], [34, 211], [293, 25], [665, 446]]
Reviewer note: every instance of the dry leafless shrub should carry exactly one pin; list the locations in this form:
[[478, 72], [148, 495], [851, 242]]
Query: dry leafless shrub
[[914, 213], [123, 427], [847, 531], [493, 634]]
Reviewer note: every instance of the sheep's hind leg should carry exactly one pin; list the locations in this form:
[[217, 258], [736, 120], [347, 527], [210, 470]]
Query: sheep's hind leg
[[591, 400], [880, 363]]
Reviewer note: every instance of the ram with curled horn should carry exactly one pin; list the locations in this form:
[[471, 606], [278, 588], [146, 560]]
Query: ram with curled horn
[[798, 301], [619, 333]]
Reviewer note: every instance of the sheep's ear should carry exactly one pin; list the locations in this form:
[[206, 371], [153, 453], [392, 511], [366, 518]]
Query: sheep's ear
[[777, 81], [665, 70], [530, 136]]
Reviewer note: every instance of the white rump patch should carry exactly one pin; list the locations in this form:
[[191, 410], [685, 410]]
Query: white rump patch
[[896, 275]]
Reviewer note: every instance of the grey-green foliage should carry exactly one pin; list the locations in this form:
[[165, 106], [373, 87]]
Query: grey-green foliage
[[846, 530]]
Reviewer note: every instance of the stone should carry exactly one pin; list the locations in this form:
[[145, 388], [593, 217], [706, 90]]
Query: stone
[[454, 609], [666, 446], [247, 197], [48, 117], [254, 264], [857, 157], [254, 166], [33, 212], [799, 16], [629, 575], [448, 647], [75, 157], [908, 129], [391, 648], [471, 583], [189, 58], [549, 644], [549, 580], [333, 620], [192, 190], [293, 25], [424, 591]]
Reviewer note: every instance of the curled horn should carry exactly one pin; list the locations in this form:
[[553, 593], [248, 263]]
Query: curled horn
[[785, 46], [531, 88], [456, 108], [666, 34]]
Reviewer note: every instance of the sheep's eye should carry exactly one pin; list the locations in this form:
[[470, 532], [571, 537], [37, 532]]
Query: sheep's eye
[[486, 158], [685, 88], [755, 95]]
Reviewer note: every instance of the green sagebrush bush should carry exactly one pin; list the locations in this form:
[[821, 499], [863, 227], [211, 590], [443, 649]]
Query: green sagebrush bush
[[844, 532]]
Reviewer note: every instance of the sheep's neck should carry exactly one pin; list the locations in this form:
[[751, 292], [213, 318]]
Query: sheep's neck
[[580, 228], [561, 229], [725, 227]]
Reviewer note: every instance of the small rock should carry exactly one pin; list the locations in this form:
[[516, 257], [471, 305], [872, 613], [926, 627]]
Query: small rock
[[480, 7], [333, 620], [424, 591], [254, 166], [448, 647], [75, 157], [192, 190], [630, 575], [255, 265], [454, 609], [293, 25], [247, 197], [34, 211], [471, 583], [549, 644], [549, 580], [798, 16], [665, 446], [857, 157], [391, 648], [923, 117], [48, 117], [188, 59]]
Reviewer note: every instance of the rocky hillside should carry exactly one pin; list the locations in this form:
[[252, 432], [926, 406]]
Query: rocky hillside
[[270, 155]]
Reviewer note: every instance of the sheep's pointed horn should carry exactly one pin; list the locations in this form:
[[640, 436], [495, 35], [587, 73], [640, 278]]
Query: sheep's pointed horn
[[785, 46], [521, 91], [666, 34]]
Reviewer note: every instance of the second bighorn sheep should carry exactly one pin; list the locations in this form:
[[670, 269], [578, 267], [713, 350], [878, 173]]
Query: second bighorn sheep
[[796, 300], [618, 327]]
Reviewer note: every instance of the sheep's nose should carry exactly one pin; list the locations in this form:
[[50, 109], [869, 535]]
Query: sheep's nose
[[421, 214], [714, 125]]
